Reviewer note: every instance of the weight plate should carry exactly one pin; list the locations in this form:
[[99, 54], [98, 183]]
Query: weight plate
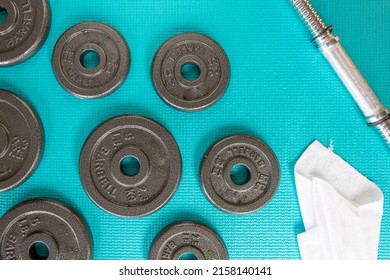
[[45, 223], [104, 42], [21, 140], [24, 29], [146, 190], [203, 54], [258, 187], [188, 238]]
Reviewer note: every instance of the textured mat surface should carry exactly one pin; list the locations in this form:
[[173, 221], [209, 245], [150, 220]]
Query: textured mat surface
[[282, 90]]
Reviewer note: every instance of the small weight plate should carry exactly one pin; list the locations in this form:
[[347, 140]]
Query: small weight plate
[[188, 238], [24, 29], [103, 41], [202, 53], [43, 222], [150, 187], [256, 190], [21, 141]]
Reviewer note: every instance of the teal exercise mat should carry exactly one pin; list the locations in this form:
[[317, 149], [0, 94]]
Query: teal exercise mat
[[281, 90]]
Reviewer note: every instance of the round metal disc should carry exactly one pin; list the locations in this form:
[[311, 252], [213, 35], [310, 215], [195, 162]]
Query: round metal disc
[[199, 51], [24, 29], [103, 41], [188, 238], [21, 141], [249, 195], [43, 222], [130, 195]]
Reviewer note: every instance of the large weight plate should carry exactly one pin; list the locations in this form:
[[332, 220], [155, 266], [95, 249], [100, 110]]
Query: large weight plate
[[188, 238], [134, 195], [107, 76], [253, 193], [43, 222], [21, 141], [197, 50], [24, 29]]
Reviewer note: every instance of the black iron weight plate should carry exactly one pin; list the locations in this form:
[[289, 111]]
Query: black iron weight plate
[[21, 141], [107, 76], [207, 56], [41, 221], [218, 184], [160, 166], [188, 238], [24, 30]]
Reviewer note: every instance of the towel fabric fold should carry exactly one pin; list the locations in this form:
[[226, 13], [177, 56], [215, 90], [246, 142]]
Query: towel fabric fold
[[341, 209]]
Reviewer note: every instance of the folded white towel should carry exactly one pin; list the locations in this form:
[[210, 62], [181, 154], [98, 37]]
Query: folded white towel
[[341, 209]]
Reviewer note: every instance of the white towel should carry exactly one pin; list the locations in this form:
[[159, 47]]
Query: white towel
[[341, 209]]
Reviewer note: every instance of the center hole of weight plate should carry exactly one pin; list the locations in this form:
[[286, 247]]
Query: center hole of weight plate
[[3, 15], [188, 257], [240, 174], [130, 166], [39, 251], [190, 72], [90, 59]]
